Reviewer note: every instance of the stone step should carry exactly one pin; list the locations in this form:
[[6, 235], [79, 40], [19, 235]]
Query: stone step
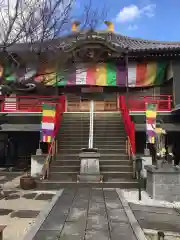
[[86, 137], [101, 137], [87, 120], [111, 162], [75, 156], [65, 168], [103, 168], [101, 162], [107, 175], [101, 150], [96, 124], [112, 168], [64, 162], [64, 176], [97, 133], [112, 150], [99, 143], [56, 185], [72, 175], [79, 122], [71, 146], [84, 143], [107, 145], [96, 130]]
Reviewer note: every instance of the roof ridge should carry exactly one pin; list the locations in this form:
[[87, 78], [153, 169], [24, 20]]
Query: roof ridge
[[115, 39], [147, 40]]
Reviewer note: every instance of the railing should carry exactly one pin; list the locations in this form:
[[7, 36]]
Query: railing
[[26, 103], [34, 103], [128, 124], [52, 151], [138, 103], [91, 127], [130, 131]]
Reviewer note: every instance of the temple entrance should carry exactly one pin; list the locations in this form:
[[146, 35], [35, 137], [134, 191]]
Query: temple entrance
[[82, 104]]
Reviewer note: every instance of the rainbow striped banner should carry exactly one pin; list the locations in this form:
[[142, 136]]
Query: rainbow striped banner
[[48, 122], [146, 74], [151, 114], [109, 74]]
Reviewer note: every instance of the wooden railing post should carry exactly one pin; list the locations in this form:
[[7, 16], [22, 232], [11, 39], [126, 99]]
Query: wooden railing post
[[169, 103]]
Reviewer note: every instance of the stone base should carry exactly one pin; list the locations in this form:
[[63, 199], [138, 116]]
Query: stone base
[[89, 178], [89, 170], [146, 161], [37, 163], [163, 183]]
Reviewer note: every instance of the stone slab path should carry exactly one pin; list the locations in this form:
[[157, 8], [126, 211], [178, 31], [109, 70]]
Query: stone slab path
[[87, 214], [19, 209], [157, 218]]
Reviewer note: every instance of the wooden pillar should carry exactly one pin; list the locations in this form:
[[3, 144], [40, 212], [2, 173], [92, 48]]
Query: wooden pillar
[[1, 231]]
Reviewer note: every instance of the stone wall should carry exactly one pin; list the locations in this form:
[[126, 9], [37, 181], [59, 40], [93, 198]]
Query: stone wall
[[163, 183]]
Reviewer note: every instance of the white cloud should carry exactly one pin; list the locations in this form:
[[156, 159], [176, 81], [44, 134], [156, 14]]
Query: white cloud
[[133, 12], [149, 10], [133, 27]]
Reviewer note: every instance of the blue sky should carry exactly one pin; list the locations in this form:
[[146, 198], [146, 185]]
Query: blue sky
[[148, 19]]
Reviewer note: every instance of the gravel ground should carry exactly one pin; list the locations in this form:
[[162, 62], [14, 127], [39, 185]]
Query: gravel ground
[[132, 196], [24, 204]]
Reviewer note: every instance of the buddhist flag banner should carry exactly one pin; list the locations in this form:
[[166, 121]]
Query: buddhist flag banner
[[48, 122], [47, 139], [151, 114], [101, 74], [116, 74], [111, 73], [146, 74]]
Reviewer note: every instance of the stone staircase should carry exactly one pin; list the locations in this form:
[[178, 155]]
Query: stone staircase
[[109, 138]]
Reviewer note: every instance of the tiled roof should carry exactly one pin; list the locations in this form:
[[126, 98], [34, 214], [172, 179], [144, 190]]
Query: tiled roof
[[114, 40], [137, 44]]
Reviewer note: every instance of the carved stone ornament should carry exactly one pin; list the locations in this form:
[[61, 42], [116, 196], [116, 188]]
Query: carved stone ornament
[[80, 39]]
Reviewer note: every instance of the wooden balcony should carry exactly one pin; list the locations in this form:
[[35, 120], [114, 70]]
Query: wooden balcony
[[138, 104], [33, 104]]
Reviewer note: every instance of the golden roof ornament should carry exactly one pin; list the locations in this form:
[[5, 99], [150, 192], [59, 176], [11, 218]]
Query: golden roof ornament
[[110, 26], [75, 26]]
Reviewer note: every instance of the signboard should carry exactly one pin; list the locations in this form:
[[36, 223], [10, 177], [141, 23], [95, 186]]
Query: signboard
[[92, 89]]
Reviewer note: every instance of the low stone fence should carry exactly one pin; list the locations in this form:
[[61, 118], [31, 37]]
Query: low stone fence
[[163, 183]]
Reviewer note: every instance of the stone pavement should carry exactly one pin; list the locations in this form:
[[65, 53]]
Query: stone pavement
[[19, 209], [157, 218], [8, 176], [87, 214]]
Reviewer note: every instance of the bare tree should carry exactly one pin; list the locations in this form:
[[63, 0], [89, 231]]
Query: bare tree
[[14, 15], [53, 19], [39, 22], [48, 20]]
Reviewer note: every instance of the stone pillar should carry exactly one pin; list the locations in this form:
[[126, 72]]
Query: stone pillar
[[89, 169], [37, 163]]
